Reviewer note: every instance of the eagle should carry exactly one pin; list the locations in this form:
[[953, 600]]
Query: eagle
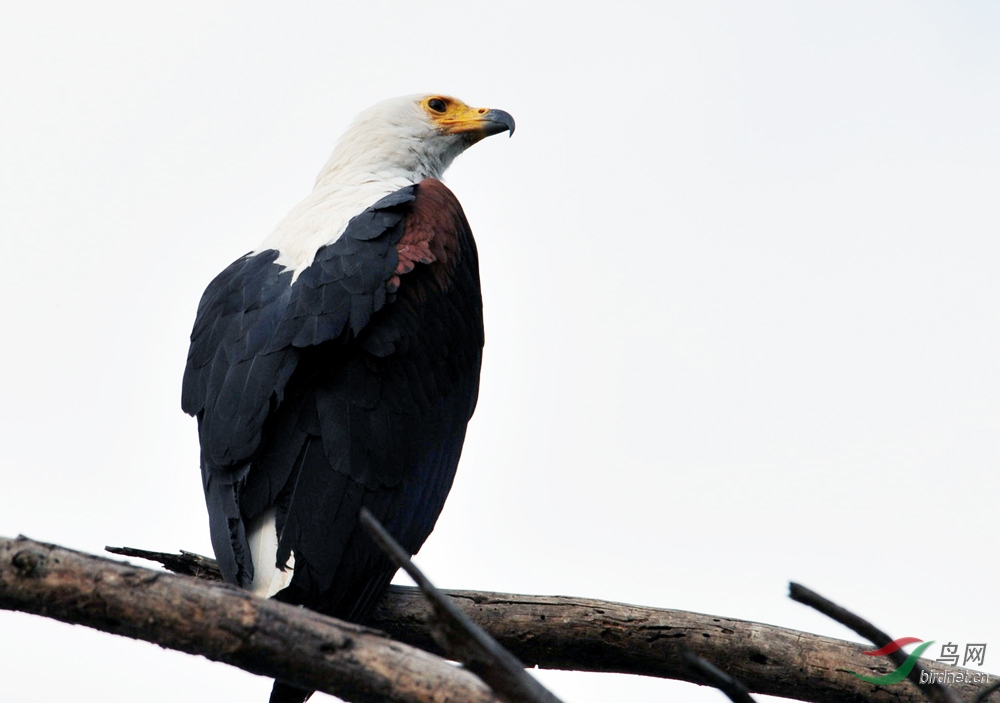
[[337, 365]]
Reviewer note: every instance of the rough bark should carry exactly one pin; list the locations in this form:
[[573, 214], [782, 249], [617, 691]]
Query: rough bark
[[558, 632], [459, 637], [582, 634], [225, 624]]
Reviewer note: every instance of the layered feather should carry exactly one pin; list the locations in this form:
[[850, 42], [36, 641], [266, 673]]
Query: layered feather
[[349, 387]]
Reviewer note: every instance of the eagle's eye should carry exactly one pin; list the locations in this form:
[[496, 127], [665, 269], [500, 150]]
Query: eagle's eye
[[437, 104]]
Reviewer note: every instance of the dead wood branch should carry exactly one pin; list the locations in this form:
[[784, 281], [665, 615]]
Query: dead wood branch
[[936, 692], [581, 634], [711, 675], [225, 624], [558, 632], [461, 638], [987, 692]]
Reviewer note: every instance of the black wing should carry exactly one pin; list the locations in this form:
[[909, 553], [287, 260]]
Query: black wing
[[353, 386]]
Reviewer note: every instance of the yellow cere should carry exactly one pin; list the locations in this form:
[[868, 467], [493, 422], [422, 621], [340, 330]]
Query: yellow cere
[[453, 115]]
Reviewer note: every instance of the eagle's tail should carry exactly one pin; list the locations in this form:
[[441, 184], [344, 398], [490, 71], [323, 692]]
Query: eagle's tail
[[287, 693]]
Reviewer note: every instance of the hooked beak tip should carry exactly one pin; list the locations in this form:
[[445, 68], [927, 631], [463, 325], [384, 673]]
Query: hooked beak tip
[[499, 121]]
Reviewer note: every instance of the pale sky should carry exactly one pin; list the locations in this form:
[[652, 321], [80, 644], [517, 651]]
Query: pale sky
[[740, 268]]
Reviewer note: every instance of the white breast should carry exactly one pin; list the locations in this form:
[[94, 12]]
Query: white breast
[[268, 579]]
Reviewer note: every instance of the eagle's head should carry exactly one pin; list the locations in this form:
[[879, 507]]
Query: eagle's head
[[413, 137]]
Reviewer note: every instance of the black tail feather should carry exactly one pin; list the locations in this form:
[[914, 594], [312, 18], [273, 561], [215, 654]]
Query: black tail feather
[[283, 692]]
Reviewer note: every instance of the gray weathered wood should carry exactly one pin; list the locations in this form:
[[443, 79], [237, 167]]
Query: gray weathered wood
[[459, 637], [226, 624], [558, 632]]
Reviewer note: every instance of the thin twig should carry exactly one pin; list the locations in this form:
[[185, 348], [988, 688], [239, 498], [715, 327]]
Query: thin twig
[[714, 676], [187, 563], [987, 692], [934, 690], [460, 637]]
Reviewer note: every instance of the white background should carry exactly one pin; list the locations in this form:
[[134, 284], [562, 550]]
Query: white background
[[740, 267]]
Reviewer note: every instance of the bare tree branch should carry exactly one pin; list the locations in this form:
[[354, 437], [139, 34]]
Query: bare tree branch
[[934, 691], [579, 634], [462, 639], [226, 624], [187, 563], [713, 676], [591, 635], [987, 692]]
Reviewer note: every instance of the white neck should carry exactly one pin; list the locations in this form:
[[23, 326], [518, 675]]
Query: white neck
[[320, 219], [362, 157], [390, 146]]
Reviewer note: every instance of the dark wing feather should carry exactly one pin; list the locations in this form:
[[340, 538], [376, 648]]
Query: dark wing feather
[[366, 402], [248, 336], [389, 411]]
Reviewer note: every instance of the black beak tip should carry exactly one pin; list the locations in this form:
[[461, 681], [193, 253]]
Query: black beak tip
[[502, 119]]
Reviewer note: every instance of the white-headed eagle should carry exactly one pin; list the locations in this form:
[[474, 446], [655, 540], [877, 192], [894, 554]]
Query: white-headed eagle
[[337, 365]]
